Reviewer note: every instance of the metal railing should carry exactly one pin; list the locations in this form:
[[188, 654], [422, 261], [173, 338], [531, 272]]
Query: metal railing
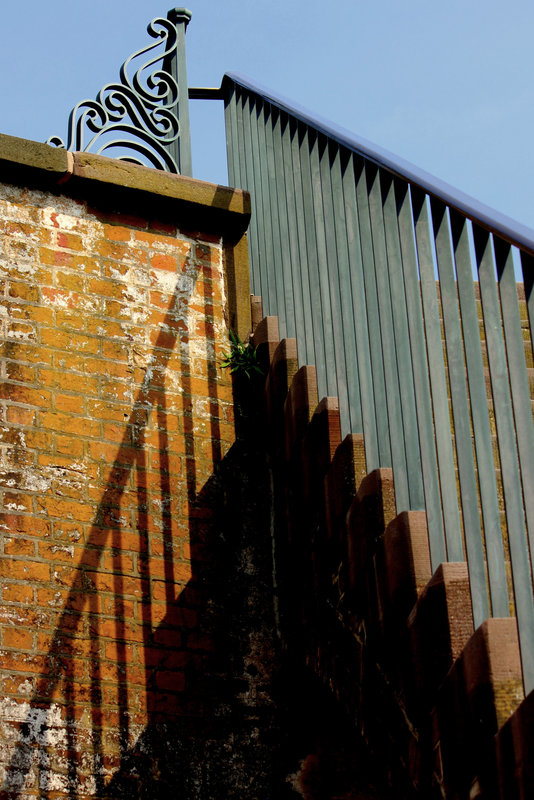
[[402, 292], [144, 116]]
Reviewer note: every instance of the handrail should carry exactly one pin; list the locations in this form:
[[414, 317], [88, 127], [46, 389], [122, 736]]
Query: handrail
[[514, 232]]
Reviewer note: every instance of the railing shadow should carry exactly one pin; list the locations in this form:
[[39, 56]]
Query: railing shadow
[[181, 704]]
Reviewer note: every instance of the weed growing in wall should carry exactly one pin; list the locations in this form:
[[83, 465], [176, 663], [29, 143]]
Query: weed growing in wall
[[242, 358]]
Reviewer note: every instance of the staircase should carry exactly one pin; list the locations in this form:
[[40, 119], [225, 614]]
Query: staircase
[[431, 698], [405, 346]]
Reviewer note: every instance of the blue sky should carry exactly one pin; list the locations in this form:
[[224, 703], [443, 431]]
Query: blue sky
[[447, 86]]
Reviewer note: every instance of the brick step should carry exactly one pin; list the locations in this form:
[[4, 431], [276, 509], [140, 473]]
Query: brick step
[[348, 552]]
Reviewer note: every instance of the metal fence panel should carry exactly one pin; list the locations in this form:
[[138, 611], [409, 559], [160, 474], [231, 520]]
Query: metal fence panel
[[368, 262]]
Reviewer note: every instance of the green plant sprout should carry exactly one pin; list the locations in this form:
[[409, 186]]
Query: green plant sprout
[[242, 357]]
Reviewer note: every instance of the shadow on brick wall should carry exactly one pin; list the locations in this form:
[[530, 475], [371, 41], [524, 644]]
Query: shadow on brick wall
[[166, 675], [181, 705]]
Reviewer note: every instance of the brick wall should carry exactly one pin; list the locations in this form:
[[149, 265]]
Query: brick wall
[[115, 419]]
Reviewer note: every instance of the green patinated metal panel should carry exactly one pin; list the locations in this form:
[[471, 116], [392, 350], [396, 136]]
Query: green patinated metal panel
[[290, 299], [373, 317], [334, 269], [270, 279], [486, 466], [461, 414], [401, 345], [368, 270], [250, 167], [296, 323], [511, 479], [230, 116], [261, 287], [517, 368], [429, 464], [438, 382], [388, 355], [364, 412], [307, 139], [351, 414], [324, 275], [527, 264], [277, 273], [301, 275]]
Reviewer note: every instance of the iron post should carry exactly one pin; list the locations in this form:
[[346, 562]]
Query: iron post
[[177, 67]]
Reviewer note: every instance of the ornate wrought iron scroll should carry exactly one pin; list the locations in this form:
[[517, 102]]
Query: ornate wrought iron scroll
[[144, 109]]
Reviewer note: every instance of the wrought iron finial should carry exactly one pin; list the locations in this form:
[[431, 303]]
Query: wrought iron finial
[[149, 111], [179, 15]]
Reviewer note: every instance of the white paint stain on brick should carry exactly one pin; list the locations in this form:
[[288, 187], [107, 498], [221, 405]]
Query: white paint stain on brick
[[66, 549], [133, 294], [28, 268], [64, 299], [21, 336], [57, 600], [35, 742], [44, 726], [164, 281], [25, 688], [52, 782], [132, 275], [135, 314], [62, 221], [28, 479], [14, 507]]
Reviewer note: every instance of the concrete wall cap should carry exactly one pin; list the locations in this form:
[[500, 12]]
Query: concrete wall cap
[[177, 187], [16, 152], [25, 161]]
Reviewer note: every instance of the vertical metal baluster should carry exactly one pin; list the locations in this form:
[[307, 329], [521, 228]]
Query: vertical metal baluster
[[257, 231], [527, 265], [276, 270], [318, 152], [362, 408], [373, 317], [350, 409], [420, 376], [257, 222], [401, 343], [177, 66], [265, 224], [332, 270], [393, 406], [230, 118], [284, 213], [517, 367], [307, 142], [248, 104], [461, 416], [240, 140], [281, 235], [489, 502], [307, 339], [507, 449], [296, 327], [438, 383]]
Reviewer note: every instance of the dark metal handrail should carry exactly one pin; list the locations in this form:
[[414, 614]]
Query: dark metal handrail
[[514, 232]]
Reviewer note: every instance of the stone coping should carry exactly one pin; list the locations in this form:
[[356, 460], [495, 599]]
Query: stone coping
[[139, 189]]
